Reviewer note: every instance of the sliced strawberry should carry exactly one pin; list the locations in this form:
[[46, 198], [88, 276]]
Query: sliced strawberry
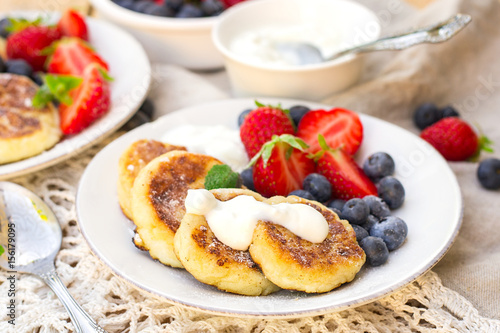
[[71, 56], [90, 101], [72, 24], [29, 43], [340, 127], [347, 178], [281, 166], [261, 124]]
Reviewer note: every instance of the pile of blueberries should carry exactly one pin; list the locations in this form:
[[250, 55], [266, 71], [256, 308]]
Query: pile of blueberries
[[377, 231], [174, 8], [488, 171], [16, 66]]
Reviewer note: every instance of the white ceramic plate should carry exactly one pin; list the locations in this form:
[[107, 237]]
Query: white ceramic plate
[[130, 68], [433, 211]]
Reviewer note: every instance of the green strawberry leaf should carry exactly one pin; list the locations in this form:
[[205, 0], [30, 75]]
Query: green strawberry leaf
[[267, 149], [18, 24], [2, 250], [105, 75], [56, 87], [221, 176]]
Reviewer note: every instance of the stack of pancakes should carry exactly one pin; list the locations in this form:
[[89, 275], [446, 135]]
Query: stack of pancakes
[[25, 131], [153, 182]]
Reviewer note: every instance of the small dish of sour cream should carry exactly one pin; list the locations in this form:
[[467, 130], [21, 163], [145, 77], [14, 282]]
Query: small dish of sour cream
[[247, 35]]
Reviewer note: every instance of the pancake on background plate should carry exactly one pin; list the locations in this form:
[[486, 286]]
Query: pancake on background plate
[[25, 131]]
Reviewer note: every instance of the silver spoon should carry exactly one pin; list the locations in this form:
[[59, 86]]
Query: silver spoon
[[305, 53], [37, 239]]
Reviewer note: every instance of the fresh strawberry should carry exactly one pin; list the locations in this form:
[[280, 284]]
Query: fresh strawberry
[[229, 3], [455, 139], [261, 124], [281, 166], [340, 127], [347, 178], [71, 56], [29, 43], [72, 24], [90, 100]]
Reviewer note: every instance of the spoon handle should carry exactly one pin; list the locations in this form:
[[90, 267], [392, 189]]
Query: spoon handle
[[81, 320], [434, 34]]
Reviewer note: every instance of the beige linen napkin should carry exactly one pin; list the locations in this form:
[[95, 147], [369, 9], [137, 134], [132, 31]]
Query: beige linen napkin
[[464, 72]]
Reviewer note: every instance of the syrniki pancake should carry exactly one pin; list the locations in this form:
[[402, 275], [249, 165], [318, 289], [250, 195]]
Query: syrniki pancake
[[215, 263], [292, 262], [132, 160], [25, 131], [158, 198]]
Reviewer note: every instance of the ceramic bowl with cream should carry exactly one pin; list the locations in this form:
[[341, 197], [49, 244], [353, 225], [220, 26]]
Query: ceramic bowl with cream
[[246, 36]]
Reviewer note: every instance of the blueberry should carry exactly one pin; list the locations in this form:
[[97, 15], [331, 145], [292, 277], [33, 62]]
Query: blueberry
[[158, 10], [174, 4], [375, 249], [142, 6], [2, 65], [355, 211], [303, 194], [371, 220], [379, 165], [189, 11], [391, 191], [148, 108], [242, 116], [4, 24], [247, 177], [37, 78], [128, 4], [297, 112], [18, 66], [377, 206], [426, 115], [318, 186], [488, 173], [337, 211], [392, 230], [211, 7], [448, 111], [360, 232], [336, 204]]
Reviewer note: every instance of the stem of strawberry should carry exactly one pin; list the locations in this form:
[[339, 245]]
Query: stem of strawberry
[[267, 149]]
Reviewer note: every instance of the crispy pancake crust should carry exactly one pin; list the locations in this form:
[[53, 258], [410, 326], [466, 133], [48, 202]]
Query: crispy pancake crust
[[215, 263], [292, 262], [25, 131], [132, 160], [158, 197]]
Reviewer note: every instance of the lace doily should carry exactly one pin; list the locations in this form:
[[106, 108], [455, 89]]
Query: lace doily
[[422, 306]]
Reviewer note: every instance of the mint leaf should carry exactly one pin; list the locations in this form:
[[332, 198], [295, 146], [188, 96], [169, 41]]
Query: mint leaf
[[56, 87], [2, 250], [221, 176], [42, 97]]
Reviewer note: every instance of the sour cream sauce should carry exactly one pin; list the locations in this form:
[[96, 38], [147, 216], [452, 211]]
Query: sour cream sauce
[[217, 141], [233, 221]]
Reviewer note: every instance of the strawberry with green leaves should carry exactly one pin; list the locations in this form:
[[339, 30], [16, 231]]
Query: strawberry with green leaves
[[455, 139], [347, 178], [281, 166], [340, 127], [71, 55], [72, 24], [28, 40], [261, 124], [83, 100]]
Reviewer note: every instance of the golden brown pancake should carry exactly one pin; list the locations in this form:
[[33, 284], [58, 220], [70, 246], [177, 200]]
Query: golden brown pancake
[[25, 131], [292, 262], [215, 263], [158, 197], [132, 160]]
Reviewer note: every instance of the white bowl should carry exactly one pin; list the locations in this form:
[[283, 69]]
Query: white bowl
[[351, 23], [180, 41]]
